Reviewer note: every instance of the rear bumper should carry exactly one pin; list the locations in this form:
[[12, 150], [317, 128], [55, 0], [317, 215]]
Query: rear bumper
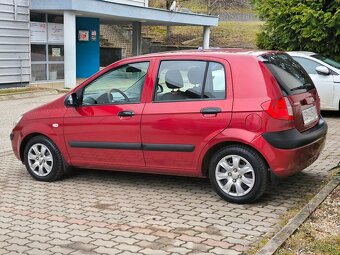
[[289, 152], [292, 138]]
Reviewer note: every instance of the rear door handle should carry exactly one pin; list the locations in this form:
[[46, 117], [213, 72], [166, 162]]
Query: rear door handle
[[211, 110], [126, 114]]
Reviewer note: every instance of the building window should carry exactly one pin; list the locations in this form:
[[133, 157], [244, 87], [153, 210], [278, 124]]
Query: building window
[[38, 52], [56, 52], [38, 17], [39, 72], [55, 19], [47, 47]]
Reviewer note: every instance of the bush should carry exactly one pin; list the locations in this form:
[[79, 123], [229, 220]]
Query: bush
[[310, 25]]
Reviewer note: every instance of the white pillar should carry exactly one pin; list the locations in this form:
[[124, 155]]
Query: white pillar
[[69, 49], [206, 37], [136, 38]]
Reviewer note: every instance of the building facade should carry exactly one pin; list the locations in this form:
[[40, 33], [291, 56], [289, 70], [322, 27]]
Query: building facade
[[49, 41]]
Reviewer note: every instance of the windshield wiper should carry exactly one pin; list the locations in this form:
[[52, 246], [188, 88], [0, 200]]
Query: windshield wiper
[[304, 86]]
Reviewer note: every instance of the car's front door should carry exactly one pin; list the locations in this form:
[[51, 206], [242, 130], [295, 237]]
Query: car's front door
[[191, 104], [104, 131]]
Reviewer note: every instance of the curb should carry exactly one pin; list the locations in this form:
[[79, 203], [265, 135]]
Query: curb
[[280, 237], [28, 94]]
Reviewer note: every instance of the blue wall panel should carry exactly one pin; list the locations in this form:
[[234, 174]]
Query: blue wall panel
[[88, 52]]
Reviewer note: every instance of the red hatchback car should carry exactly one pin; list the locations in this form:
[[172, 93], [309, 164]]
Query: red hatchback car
[[235, 117]]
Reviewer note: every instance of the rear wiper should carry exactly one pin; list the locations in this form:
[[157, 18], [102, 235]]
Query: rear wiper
[[304, 86]]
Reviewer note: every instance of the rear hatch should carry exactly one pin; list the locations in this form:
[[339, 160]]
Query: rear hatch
[[297, 88]]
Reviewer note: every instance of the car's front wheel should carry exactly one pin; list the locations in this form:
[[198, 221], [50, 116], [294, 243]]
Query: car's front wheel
[[238, 174], [43, 159]]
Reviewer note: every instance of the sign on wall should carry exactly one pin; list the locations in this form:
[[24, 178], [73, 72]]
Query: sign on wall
[[55, 33], [83, 35], [93, 35], [56, 52], [38, 32]]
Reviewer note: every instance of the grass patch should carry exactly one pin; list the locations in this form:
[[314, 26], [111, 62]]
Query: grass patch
[[235, 34], [199, 6], [319, 235], [9, 91], [305, 241], [259, 245], [227, 34]]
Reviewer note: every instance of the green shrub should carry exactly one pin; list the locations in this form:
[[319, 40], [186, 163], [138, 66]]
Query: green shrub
[[311, 25]]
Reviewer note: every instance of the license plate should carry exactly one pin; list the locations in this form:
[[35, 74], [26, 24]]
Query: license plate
[[309, 115]]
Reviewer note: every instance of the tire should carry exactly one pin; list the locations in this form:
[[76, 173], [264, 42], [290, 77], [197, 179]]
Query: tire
[[43, 159], [238, 174]]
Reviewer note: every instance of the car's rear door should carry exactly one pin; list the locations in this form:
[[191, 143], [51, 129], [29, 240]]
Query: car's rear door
[[178, 122]]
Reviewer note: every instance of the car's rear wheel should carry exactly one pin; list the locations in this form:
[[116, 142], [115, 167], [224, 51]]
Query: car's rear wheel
[[43, 159], [238, 174]]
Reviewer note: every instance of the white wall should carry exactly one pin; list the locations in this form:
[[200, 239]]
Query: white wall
[[14, 41], [131, 2]]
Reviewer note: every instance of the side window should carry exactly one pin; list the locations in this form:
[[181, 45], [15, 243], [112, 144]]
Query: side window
[[119, 86], [307, 64], [187, 80], [215, 82]]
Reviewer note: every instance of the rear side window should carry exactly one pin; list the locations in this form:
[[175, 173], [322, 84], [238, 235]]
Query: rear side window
[[289, 74], [188, 80]]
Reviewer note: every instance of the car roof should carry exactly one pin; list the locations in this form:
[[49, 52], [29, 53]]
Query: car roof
[[206, 53], [301, 53]]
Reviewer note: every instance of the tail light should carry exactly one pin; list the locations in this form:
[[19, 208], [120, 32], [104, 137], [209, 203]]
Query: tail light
[[279, 108]]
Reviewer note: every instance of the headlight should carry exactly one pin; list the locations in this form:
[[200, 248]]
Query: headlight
[[17, 120]]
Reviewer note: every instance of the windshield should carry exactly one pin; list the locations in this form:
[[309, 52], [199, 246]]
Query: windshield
[[329, 61], [288, 73]]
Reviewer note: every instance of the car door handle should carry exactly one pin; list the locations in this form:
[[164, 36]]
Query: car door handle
[[211, 110], [126, 114]]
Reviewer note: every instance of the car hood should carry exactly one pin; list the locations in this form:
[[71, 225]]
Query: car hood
[[53, 109]]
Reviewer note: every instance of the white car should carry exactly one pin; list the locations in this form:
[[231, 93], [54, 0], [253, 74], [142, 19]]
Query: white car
[[325, 74]]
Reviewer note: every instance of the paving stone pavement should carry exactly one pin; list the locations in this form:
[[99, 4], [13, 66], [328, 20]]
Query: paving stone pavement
[[100, 212]]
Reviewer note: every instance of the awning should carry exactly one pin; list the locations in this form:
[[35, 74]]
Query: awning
[[122, 13]]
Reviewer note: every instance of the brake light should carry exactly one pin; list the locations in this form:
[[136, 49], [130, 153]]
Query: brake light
[[279, 108]]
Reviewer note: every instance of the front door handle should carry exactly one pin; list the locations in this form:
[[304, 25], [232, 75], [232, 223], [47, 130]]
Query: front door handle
[[126, 114], [211, 110]]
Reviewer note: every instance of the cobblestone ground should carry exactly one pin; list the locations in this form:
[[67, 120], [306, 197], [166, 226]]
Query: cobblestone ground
[[10, 111], [98, 212]]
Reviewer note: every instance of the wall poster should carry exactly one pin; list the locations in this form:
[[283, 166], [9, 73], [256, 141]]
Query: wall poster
[[38, 32], [83, 35], [55, 33]]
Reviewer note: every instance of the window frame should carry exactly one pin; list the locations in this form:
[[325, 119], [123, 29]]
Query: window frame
[[47, 62], [80, 92], [204, 84]]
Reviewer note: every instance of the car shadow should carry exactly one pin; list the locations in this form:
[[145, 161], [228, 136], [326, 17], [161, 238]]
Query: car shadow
[[330, 114], [286, 192]]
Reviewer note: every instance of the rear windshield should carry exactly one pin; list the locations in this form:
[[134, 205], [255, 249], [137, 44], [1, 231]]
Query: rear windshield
[[289, 74]]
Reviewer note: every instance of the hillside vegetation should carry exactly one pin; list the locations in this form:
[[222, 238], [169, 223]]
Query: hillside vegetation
[[240, 34]]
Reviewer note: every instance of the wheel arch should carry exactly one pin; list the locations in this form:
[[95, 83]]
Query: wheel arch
[[26, 139], [216, 147]]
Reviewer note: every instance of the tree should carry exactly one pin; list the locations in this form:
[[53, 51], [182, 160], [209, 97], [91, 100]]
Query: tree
[[311, 25], [168, 28]]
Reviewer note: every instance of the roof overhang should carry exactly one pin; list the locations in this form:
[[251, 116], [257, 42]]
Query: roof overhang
[[109, 12]]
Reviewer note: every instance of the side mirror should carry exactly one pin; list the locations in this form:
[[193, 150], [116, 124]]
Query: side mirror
[[322, 70], [71, 100], [159, 88]]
